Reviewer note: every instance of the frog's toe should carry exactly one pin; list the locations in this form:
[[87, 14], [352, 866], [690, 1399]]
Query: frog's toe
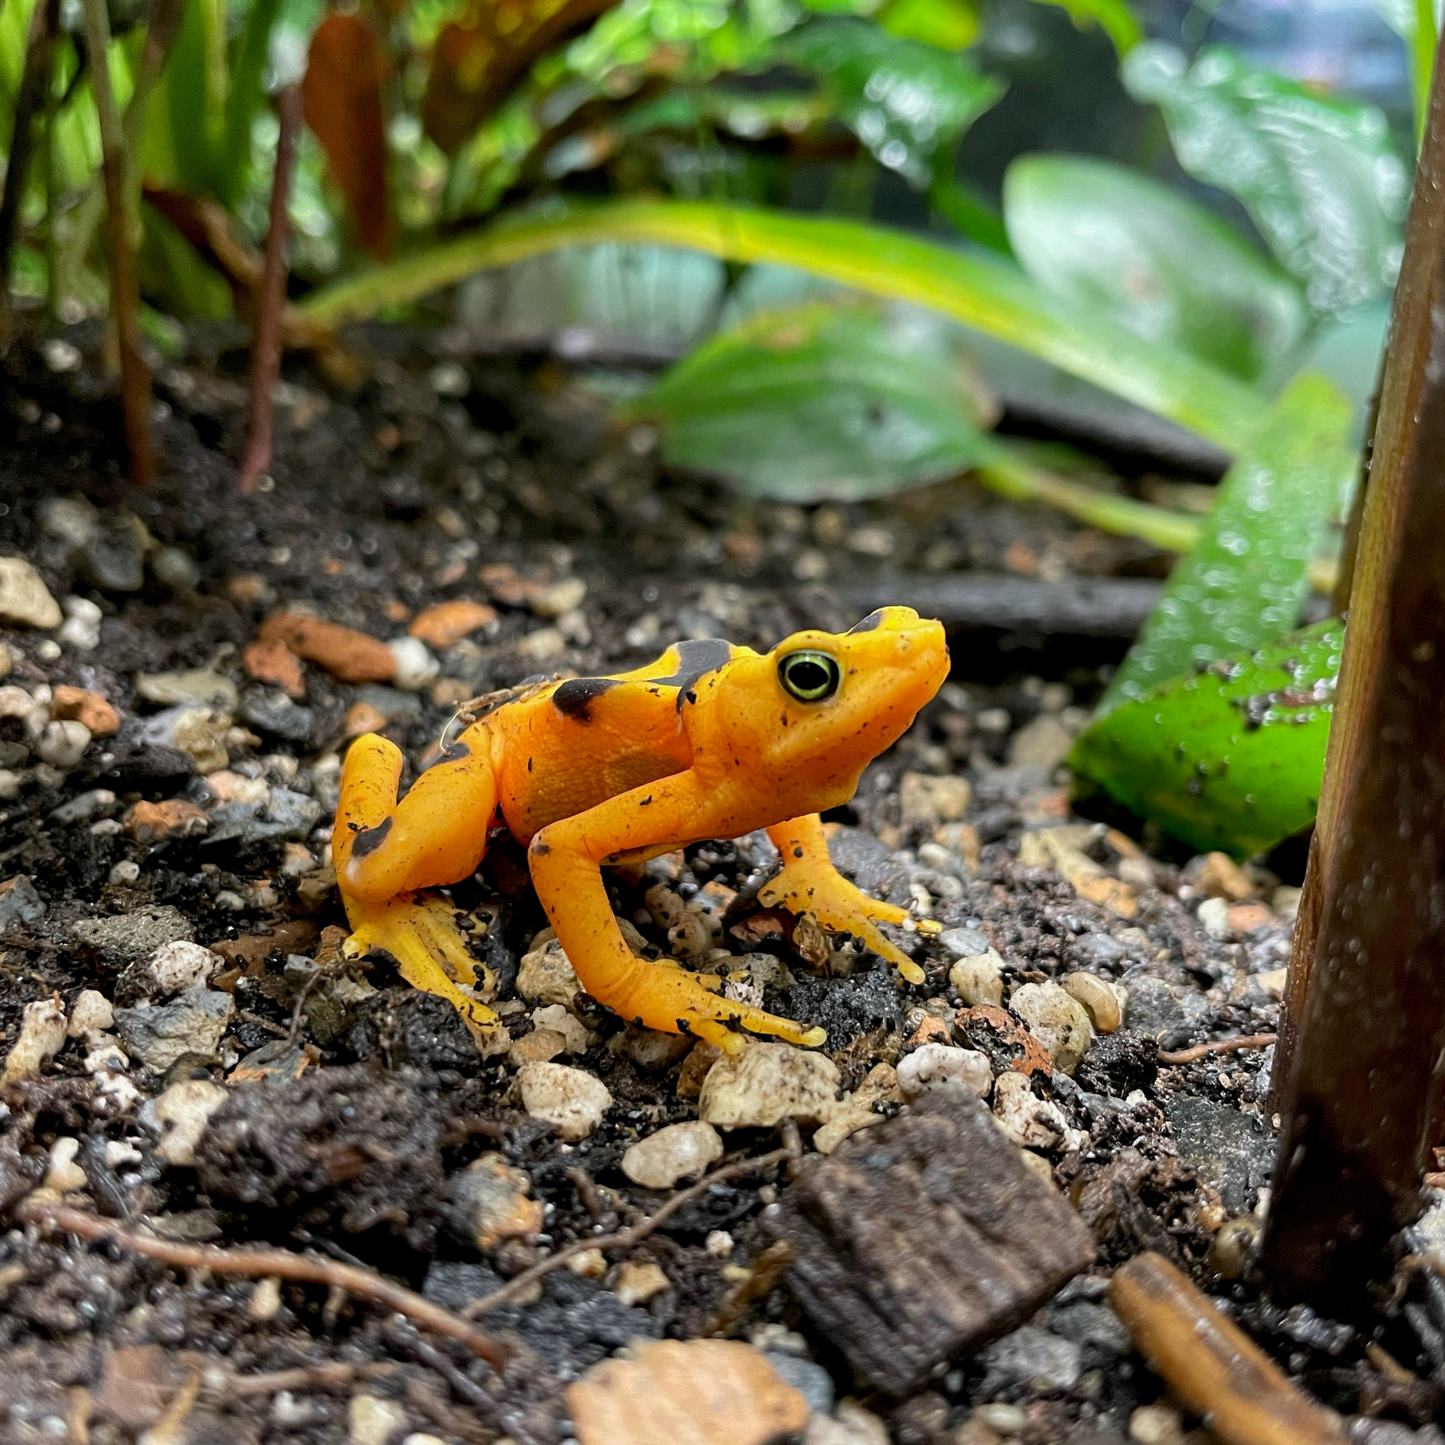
[[841, 907]]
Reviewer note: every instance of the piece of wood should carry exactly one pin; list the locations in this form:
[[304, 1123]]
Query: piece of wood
[[1210, 1364], [1358, 1069], [921, 1240]]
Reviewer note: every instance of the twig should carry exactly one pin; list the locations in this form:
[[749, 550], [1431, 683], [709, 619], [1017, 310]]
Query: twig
[[623, 1238], [135, 381], [281, 1262], [307, 1377], [36, 84], [266, 348], [1219, 1046]]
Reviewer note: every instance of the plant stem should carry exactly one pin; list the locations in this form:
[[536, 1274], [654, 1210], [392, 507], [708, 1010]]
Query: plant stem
[[266, 346], [35, 86], [1422, 59], [989, 296], [135, 382]]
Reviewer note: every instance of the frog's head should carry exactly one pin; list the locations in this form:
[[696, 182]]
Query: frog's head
[[820, 706]]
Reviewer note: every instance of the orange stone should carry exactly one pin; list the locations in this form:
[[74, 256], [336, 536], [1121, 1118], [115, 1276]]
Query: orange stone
[[361, 717], [86, 707], [271, 661], [1246, 917], [997, 1034], [449, 622], [154, 822], [348, 655]]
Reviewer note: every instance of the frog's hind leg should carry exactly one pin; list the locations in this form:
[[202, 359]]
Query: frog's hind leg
[[384, 851], [809, 883]]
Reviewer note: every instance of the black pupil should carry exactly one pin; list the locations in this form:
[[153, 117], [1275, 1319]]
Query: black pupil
[[808, 676]]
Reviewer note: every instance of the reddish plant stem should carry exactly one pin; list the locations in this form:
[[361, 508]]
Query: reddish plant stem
[[266, 347], [135, 381], [1219, 1046]]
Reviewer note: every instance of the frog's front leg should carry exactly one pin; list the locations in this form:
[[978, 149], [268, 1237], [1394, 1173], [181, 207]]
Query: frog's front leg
[[566, 859], [809, 883], [384, 851]]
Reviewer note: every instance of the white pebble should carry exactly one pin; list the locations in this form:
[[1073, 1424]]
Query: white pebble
[[719, 1244], [181, 1114], [10, 784], [42, 1036], [126, 871], [1214, 917], [370, 1420], [63, 744], [25, 600], [978, 978], [64, 1175], [1031, 1122], [415, 665], [179, 966], [60, 356], [766, 1084], [931, 1065], [678, 1152], [81, 628], [91, 1013], [571, 1100], [1057, 1020]]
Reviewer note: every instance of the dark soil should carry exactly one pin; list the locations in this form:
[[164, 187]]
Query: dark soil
[[356, 1105]]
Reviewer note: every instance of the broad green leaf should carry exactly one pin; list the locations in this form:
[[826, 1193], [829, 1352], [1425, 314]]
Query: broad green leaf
[[184, 115], [244, 97], [1243, 582], [818, 402], [947, 24], [1094, 231], [174, 278], [902, 98], [1318, 176], [1113, 17], [985, 294], [1229, 756]]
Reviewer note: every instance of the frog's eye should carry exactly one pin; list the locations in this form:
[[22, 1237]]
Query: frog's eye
[[809, 676]]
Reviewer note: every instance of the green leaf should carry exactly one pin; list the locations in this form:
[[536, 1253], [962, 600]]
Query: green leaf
[[1243, 582], [983, 293], [1318, 176], [174, 278], [244, 97], [902, 98], [1167, 268], [1414, 22], [818, 402], [947, 24], [1230, 756], [1113, 17], [184, 113]]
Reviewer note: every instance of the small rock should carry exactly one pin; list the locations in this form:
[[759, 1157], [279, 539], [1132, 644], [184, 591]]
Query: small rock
[[538, 1047], [1002, 1039], [1219, 876], [1231, 1150], [15, 702], [275, 713], [637, 1283], [545, 645], [81, 628], [180, 1115], [675, 1153], [85, 807], [113, 558], [414, 665], [854, 1426], [449, 622], [1058, 1021], [158, 1034], [491, 1198], [197, 687], [1247, 917], [1159, 1424], [370, 1420], [10, 784], [808, 1378], [362, 717], [130, 936], [1041, 743], [20, 904], [926, 801], [348, 655], [568, 1098], [938, 1064], [63, 744], [89, 708], [560, 598], [156, 822], [7, 661], [1001, 1417], [1099, 999], [578, 1038], [60, 355], [857, 1111], [64, 1175], [978, 979], [651, 1049], [1036, 1359], [91, 1013], [1031, 1122], [1214, 917], [25, 601], [174, 969], [965, 942], [546, 976], [42, 1036], [176, 568], [272, 662], [1154, 1008], [766, 1084]]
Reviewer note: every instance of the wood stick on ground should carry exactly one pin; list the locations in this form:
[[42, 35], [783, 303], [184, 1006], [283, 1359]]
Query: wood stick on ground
[[1210, 1363], [623, 1238], [330, 1376], [1361, 1059], [1219, 1046], [255, 1263], [135, 381], [266, 346], [37, 80]]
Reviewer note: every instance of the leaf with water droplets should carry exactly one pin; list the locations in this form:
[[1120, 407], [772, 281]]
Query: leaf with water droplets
[[1242, 583], [1229, 756]]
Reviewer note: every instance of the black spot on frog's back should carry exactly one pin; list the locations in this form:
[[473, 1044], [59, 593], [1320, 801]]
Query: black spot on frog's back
[[695, 659], [868, 624], [574, 697]]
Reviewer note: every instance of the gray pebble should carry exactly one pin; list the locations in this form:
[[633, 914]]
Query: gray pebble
[[964, 942], [1033, 1357], [20, 904], [128, 936], [273, 712], [809, 1379], [158, 1034]]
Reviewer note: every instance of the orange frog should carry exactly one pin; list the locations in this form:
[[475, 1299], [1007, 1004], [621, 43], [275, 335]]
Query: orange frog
[[709, 741]]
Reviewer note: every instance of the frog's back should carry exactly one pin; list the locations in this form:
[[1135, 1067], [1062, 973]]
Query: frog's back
[[561, 746]]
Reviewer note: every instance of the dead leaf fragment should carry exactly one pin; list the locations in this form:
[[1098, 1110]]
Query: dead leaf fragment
[[702, 1392]]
